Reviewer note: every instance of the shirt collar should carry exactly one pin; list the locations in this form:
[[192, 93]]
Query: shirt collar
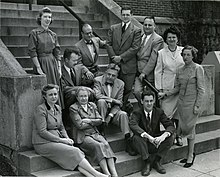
[[127, 24], [146, 113], [67, 69], [148, 36]]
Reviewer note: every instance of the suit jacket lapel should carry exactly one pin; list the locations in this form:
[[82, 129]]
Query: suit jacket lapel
[[154, 120], [104, 85], [144, 120], [127, 33], [86, 50], [147, 45], [119, 33], [67, 76], [114, 89]]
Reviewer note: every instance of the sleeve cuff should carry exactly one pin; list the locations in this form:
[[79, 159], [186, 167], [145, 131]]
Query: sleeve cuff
[[111, 115], [142, 134]]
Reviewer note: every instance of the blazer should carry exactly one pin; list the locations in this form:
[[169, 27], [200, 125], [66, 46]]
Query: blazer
[[147, 55], [189, 83], [167, 67], [87, 59], [101, 91], [80, 128], [125, 45], [47, 126], [68, 87], [140, 124]]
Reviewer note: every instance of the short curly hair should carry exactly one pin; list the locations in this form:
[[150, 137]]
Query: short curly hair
[[194, 51], [48, 87], [41, 12], [173, 30]]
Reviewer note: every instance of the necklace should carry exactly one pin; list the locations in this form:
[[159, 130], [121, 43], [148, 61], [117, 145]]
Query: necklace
[[172, 50]]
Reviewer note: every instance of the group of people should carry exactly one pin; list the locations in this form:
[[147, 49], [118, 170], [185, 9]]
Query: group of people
[[85, 100]]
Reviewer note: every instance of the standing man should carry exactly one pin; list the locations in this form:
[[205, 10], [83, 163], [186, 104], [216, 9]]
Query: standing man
[[147, 55], [148, 138], [124, 42], [109, 93], [89, 48], [72, 73]]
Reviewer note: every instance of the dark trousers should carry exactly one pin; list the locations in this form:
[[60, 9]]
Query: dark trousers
[[145, 148], [128, 79]]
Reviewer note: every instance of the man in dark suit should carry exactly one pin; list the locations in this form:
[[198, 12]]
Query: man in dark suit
[[109, 92], [124, 42], [148, 138], [89, 48], [147, 55], [72, 74]]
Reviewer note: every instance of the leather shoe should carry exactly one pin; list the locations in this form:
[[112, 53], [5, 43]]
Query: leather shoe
[[146, 170], [183, 161], [159, 168]]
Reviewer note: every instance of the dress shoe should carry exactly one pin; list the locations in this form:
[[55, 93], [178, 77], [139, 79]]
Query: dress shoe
[[159, 168], [183, 161], [179, 141], [187, 165], [146, 170]]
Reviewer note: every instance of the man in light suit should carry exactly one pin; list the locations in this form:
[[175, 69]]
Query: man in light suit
[[109, 92], [124, 42], [89, 48], [148, 138], [72, 73], [147, 55]]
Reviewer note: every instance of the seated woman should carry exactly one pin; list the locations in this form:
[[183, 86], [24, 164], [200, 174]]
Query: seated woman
[[50, 139], [85, 118]]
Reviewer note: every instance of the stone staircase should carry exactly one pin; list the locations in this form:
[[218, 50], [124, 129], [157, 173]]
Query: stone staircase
[[207, 139], [17, 22]]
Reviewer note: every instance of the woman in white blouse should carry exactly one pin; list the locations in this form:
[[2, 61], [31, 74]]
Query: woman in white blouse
[[168, 62]]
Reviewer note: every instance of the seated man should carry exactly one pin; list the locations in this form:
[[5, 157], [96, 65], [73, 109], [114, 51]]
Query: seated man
[[148, 138], [72, 73], [89, 47], [109, 92]]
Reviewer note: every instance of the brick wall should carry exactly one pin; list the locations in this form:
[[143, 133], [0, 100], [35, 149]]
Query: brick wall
[[172, 8]]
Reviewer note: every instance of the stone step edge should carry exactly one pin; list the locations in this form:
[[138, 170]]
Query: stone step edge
[[121, 157], [200, 139], [35, 7]]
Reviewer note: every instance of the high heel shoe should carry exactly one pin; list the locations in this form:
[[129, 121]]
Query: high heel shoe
[[187, 165]]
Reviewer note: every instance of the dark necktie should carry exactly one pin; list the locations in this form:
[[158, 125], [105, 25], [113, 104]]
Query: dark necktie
[[123, 28], [73, 76], [149, 122]]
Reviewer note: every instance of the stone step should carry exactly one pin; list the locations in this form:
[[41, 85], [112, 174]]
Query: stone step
[[25, 30], [38, 166], [133, 162], [34, 162], [58, 23], [21, 50], [20, 6], [23, 40], [26, 62], [12, 13]]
